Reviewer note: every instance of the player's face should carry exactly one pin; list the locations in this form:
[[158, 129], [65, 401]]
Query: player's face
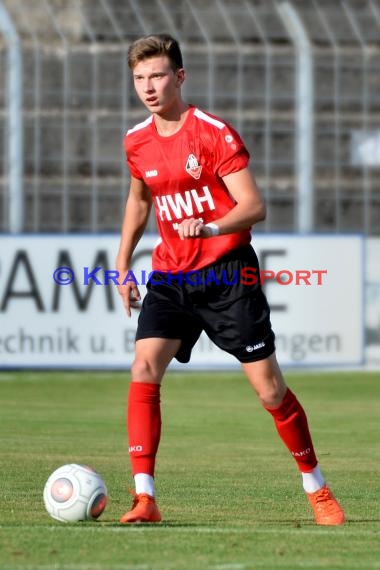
[[157, 85]]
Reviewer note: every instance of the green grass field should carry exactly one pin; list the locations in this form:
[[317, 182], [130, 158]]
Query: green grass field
[[229, 492]]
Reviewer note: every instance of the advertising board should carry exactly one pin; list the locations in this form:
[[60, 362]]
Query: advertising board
[[59, 305]]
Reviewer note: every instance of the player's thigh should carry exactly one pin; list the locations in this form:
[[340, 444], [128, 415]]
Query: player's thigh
[[266, 379], [152, 357]]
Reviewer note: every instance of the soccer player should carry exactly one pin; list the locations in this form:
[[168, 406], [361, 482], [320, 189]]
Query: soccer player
[[193, 168]]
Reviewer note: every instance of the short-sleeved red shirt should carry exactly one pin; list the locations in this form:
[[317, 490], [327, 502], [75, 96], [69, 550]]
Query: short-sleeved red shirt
[[184, 174]]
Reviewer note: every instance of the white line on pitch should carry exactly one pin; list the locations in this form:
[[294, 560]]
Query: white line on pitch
[[344, 531]]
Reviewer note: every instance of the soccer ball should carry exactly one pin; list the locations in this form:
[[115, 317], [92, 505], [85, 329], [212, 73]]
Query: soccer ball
[[75, 493]]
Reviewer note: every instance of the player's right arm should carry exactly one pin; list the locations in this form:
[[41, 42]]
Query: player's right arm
[[136, 216]]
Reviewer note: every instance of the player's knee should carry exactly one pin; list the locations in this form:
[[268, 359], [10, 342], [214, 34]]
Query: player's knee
[[144, 371], [271, 396]]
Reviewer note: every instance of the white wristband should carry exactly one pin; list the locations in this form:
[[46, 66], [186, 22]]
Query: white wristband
[[215, 230]]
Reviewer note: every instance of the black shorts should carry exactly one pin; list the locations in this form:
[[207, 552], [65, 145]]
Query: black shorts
[[214, 299]]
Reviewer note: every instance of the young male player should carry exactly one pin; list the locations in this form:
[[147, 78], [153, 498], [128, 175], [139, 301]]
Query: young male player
[[193, 167]]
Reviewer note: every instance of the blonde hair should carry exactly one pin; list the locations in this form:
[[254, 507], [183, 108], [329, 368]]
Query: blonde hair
[[155, 45]]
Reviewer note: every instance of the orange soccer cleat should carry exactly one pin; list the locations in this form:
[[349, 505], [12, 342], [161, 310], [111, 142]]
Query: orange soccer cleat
[[327, 510], [144, 509]]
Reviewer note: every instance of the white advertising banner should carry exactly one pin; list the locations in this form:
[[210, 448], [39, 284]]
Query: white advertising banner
[[59, 306], [372, 304]]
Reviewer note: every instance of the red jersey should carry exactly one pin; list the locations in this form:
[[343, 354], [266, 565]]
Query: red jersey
[[184, 174]]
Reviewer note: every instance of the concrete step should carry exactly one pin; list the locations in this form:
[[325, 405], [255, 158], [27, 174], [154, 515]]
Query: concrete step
[[83, 143], [82, 206]]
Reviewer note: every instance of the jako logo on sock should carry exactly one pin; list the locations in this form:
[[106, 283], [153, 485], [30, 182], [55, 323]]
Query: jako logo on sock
[[135, 448], [301, 453]]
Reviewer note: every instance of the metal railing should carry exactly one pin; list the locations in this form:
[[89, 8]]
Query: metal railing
[[77, 101]]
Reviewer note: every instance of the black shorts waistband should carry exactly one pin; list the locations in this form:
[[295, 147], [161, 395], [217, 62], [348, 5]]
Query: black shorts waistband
[[244, 253], [239, 254]]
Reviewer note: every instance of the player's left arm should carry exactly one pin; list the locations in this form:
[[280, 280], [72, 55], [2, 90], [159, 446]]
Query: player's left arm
[[248, 210]]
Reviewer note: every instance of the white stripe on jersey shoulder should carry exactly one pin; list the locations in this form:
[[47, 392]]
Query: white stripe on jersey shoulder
[[140, 126], [204, 117]]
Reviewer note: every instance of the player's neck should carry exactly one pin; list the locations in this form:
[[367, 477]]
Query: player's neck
[[171, 122]]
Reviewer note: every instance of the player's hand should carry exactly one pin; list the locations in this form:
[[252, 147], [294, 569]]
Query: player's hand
[[130, 295], [193, 228]]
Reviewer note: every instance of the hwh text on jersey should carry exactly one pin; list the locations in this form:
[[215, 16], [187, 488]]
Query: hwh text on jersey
[[176, 206]]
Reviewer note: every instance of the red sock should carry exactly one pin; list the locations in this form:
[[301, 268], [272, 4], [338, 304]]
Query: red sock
[[291, 423], [143, 425]]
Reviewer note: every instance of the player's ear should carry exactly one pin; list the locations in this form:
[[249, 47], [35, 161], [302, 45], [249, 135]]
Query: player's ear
[[180, 76]]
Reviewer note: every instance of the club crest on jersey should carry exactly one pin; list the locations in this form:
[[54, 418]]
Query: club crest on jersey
[[193, 167]]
